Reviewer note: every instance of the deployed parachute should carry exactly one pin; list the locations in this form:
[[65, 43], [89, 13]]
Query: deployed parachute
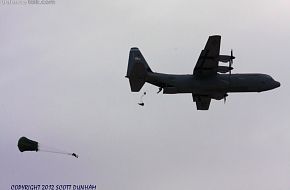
[[25, 144]]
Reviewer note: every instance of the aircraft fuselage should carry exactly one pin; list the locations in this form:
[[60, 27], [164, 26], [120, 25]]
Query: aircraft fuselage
[[216, 86]]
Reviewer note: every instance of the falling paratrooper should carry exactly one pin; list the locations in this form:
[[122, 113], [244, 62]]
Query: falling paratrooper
[[25, 144], [141, 103]]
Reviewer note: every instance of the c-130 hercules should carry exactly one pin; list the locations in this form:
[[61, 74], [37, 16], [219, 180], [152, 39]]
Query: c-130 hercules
[[208, 80]]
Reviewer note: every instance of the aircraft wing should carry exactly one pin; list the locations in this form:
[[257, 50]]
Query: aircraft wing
[[202, 103], [207, 63]]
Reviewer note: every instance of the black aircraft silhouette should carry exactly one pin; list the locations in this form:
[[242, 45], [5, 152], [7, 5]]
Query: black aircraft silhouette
[[208, 80]]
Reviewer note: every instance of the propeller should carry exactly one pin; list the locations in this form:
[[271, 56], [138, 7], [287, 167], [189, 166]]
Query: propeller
[[232, 57], [231, 61]]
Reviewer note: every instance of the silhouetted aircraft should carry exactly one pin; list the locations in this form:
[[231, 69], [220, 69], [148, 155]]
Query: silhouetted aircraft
[[208, 80]]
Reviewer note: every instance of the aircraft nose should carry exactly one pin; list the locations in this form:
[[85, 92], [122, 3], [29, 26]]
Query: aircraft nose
[[277, 84], [272, 85]]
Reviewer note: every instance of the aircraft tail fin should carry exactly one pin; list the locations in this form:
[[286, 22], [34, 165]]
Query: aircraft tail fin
[[137, 70]]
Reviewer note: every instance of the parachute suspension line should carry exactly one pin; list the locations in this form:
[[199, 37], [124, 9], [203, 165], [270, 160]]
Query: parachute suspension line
[[141, 103], [44, 148], [56, 152]]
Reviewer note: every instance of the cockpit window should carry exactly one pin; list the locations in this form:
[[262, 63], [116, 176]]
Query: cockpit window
[[268, 77]]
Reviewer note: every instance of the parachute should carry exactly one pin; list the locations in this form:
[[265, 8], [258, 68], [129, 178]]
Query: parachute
[[25, 144]]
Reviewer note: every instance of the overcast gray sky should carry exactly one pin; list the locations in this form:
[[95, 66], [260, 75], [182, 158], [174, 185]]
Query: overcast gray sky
[[62, 83]]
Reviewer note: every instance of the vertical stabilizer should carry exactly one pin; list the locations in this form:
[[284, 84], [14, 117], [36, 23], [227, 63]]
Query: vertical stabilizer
[[137, 69]]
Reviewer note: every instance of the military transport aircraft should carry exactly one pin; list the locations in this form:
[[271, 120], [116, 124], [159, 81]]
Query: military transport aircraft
[[208, 80]]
